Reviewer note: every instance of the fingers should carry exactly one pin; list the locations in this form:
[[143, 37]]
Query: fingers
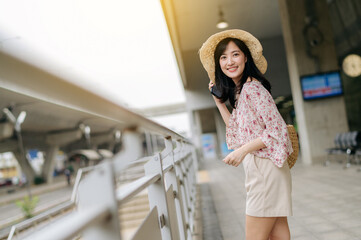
[[231, 161], [210, 85]]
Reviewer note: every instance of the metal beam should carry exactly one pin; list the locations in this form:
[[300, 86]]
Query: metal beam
[[6, 130], [55, 87]]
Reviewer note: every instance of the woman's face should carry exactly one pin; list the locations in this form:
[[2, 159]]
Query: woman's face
[[232, 62]]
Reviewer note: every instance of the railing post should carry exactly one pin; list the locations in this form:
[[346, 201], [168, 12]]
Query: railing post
[[187, 166], [76, 185], [183, 165], [192, 175], [154, 143], [194, 165], [132, 150], [148, 142], [171, 180], [195, 158], [183, 186], [157, 195], [192, 189], [177, 156], [95, 190]]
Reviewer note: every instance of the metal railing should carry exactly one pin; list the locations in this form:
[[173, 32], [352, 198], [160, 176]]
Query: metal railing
[[169, 175], [65, 206], [170, 178], [39, 218]]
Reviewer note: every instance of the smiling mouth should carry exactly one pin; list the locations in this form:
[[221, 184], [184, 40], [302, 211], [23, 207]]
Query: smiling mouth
[[232, 69]]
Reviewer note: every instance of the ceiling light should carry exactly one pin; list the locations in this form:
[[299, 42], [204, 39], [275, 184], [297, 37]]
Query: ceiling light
[[222, 23]]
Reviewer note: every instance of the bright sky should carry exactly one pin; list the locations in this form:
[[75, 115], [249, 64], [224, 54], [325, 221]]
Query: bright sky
[[123, 45], [177, 122]]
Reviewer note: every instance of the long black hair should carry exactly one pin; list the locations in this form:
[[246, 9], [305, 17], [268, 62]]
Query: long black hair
[[226, 84]]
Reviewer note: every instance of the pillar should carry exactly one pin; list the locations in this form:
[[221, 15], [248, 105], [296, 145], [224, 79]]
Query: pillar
[[318, 120], [196, 128], [221, 131], [49, 164], [26, 168]]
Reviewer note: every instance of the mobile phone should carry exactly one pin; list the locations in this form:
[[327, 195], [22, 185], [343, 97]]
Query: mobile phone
[[216, 92]]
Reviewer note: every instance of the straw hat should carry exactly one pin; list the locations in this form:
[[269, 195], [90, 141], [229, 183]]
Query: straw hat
[[206, 53]]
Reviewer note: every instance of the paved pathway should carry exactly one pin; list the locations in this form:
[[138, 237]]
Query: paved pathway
[[326, 201]]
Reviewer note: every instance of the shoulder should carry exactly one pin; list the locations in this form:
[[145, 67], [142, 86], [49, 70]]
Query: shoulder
[[254, 87]]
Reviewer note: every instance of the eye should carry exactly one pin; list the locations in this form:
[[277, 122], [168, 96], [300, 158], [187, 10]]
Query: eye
[[235, 54], [223, 57]]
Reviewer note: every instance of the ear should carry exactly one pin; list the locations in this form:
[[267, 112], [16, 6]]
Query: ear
[[246, 59]]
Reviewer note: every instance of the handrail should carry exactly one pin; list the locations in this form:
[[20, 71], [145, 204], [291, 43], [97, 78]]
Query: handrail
[[74, 223], [97, 201], [178, 160], [167, 168], [165, 153], [142, 160], [123, 195], [53, 211], [77, 222]]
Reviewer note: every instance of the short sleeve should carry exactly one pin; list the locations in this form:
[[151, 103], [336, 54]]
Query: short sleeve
[[275, 134]]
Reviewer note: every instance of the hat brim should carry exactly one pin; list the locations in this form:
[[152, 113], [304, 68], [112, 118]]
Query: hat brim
[[206, 52]]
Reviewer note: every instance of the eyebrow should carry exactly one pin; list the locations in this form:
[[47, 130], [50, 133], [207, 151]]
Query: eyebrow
[[232, 52]]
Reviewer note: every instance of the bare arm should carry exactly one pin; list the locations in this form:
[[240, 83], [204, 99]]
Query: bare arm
[[254, 145], [237, 156], [223, 110]]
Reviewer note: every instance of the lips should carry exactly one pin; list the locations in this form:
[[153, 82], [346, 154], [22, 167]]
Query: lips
[[232, 69]]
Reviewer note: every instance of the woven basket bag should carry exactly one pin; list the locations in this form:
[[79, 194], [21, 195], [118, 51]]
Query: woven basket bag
[[294, 139]]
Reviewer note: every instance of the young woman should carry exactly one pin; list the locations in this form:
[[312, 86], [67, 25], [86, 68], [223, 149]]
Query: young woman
[[255, 130]]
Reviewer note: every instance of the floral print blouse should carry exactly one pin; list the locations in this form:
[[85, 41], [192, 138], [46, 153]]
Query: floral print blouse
[[256, 115]]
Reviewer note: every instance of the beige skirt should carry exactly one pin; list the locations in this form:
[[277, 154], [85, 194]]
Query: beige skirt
[[268, 188]]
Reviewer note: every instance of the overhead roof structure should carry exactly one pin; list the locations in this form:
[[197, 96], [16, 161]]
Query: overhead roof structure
[[190, 23]]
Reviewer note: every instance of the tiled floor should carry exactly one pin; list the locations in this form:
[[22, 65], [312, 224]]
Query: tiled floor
[[326, 201]]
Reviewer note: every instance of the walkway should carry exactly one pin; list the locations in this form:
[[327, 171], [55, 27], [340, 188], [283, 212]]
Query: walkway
[[326, 201]]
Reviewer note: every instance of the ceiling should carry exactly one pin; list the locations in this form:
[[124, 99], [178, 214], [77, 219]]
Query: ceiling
[[45, 117], [54, 105], [194, 22], [190, 23], [196, 19]]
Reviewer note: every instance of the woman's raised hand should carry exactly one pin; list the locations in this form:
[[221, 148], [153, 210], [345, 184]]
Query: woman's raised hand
[[221, 106], [210, 85]]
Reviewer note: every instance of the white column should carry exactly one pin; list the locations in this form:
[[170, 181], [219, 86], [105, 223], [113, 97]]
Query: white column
[[26, 168], [221, 130], [49, 164], [319, 120]]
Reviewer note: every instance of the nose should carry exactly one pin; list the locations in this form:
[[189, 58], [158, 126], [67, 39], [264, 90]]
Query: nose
[[229, 61]]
